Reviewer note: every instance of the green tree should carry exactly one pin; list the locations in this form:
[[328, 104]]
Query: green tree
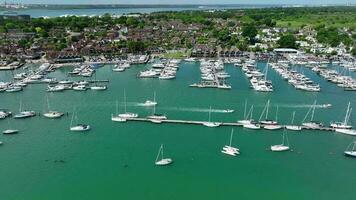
[[287, 41], [250, 32]]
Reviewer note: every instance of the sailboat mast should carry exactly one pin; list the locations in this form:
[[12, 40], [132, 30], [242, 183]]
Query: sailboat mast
[[117, 107], [232, 133], [245, 117], [313, 111], [209, 113], [267, 108], [293, 115], [125, 99], [347, 114], [277, 114]]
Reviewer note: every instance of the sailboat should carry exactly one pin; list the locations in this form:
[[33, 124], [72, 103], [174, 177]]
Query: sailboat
[[266, 121], [127, 114], [24, 113], [283, 146], [10, 131], [117, 118], [351, 149], [344, 124], [229, 149], [248, 115], [293, 127], [78, 127], [96, 86], [273, 126], [249, 122], [209, 123], [52, 114], [156, 116], [312, 124], [163, 161], [151, 103]]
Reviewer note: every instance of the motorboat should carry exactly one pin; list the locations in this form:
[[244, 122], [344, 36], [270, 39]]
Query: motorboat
[[151, 103]]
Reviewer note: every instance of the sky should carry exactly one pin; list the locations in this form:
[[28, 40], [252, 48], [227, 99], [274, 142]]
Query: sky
[[183, 1]]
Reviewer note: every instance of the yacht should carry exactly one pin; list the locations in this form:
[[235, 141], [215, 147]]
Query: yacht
[[252, 126], [344, 124], [98, 87], [351, 150], [55, 88], [156, 116], [4, 114], [229, 149], [151, 103], [13, 89], [25, 114], [79, 88], [78, 127], [160, 160], [247, 116], [293, 127], [52, 114], [283, 146], [10, 131], [209, 123], [312, 124], [127, 114], [267, 121]]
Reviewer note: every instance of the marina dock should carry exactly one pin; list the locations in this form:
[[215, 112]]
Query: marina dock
[[177, 121]]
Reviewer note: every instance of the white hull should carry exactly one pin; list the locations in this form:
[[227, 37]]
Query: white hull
[[163, 162], [10, 131], [279, 148], [293, 128], [118, 119], [80, 128], [53, 115], [346, 131], [272, 127], [211, 124], [252, 126]]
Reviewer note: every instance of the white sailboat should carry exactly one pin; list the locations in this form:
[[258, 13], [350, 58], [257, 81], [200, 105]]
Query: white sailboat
[[151, 103], [312, 124], [209, 123], [229, 149], [52, 114], [156, 116], [283, 146], [10, 131], [273, 126], [24, 113], [344, 124], [117, 118], [293, 127], [96, 86], [160, 160], [78, 127], [267, 121], [248, 122], [127, 114], [351, 150], [247, 116]]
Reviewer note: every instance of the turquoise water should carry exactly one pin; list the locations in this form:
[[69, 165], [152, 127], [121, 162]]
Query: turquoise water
[[116, 160]]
